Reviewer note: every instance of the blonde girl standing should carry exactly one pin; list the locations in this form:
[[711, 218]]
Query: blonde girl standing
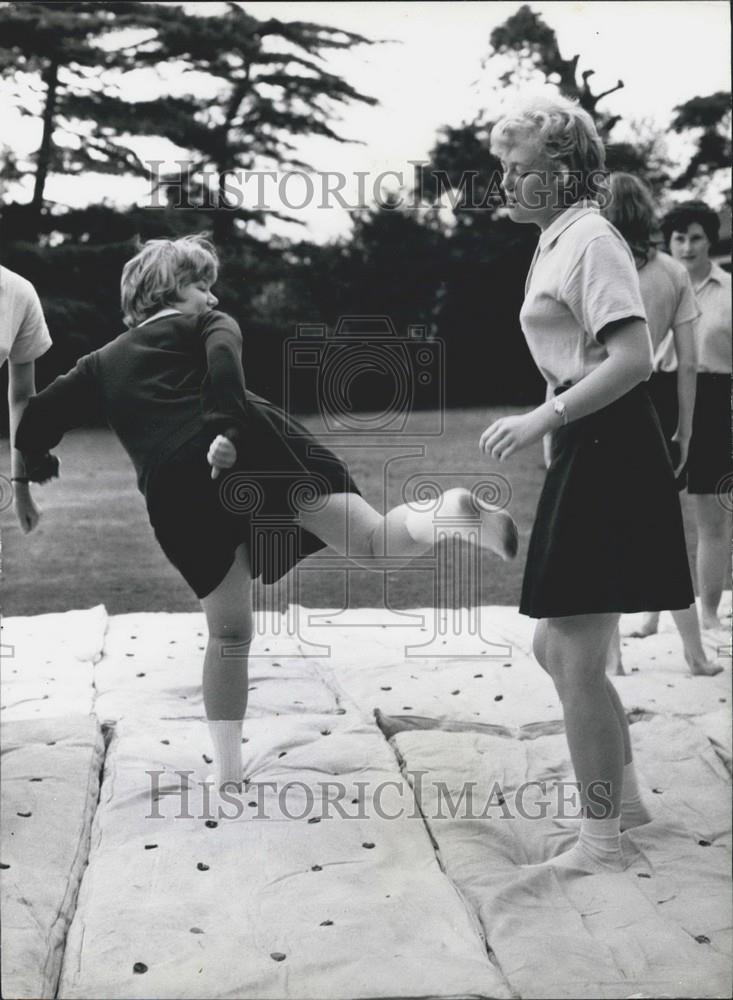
[[608, 534]]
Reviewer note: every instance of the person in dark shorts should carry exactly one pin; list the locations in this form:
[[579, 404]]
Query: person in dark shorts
[[608, 536], [208, 453], [690, 229], [671, 312]]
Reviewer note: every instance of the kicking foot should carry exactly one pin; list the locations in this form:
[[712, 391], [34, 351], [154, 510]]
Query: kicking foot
[[498, 530], [578, 861]]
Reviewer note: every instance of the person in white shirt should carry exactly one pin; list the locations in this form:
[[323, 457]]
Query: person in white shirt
[[690, 229], [608, 535], [671, 312], [24, 338]]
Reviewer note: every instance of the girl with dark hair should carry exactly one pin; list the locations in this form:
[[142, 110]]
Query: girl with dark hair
[[671, 312]]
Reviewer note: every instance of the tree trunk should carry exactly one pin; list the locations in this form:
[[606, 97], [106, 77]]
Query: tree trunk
[[51, 79]]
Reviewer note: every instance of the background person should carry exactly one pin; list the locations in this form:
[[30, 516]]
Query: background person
[[24, 337], [671, 312], [690, 229]]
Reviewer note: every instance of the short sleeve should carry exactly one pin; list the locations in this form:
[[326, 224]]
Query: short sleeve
[[687, 307], [32, 338], [603, 286]]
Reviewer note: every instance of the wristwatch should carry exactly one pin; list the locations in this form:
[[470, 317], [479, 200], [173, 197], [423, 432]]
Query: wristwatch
[[560, 409]]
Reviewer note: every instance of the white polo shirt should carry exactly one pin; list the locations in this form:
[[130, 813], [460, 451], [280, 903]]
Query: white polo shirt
[[714, 326], [666, 291], [582, 277], [24, 335]]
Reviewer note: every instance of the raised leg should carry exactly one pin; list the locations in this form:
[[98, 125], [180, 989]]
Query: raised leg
[[352, 527]]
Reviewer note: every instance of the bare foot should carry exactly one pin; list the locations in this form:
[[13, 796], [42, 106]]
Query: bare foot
[[709, 619], [703, 668], [649, 626]]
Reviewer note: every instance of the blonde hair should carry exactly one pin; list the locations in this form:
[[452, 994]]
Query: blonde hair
[[631, 210], [563, 131], [151, 280]]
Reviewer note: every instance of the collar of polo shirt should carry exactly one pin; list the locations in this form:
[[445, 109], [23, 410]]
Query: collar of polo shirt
[[559, 224], [716, 273]]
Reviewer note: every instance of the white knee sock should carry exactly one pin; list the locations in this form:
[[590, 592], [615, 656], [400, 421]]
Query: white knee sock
[[226, 735], [633, 810]]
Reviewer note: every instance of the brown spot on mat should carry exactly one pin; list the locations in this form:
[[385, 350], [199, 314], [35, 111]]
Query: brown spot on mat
[[196, 930], [642, 875], [150, 847], [368, 845], [702, 939], [498, 697], [167, 742], [277, 956], [314, 819], [139, 967], [457, 691], [211, 823], [202, 867], [140, 675], [3, 866], [209, 760], [704, 843], [326, 923], [36, 779], [24, 815], [316, 868], [478, 675], [386, 687]]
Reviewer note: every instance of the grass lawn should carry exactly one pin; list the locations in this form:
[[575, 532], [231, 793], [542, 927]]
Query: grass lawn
[[94, 544]]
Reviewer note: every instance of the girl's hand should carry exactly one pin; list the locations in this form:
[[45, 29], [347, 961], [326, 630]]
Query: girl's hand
[[25, 509], [509, 434], [222, 455], [683, 443]]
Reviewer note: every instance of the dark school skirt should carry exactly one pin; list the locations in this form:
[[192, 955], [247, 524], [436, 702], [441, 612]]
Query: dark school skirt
[[199, 521], [662, 389], [608, 534], [709, 467]]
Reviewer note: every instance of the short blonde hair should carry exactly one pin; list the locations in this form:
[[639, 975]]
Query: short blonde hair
[[631, 209], [151, 280], [563, 131]]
